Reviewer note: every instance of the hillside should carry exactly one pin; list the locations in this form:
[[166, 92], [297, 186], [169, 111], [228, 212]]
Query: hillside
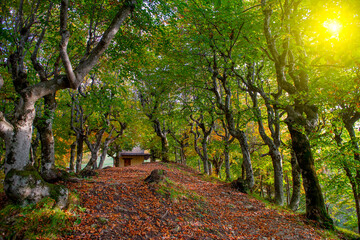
[[120, 205]]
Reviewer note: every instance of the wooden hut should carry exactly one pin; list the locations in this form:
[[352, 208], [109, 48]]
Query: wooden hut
[[136, 156]]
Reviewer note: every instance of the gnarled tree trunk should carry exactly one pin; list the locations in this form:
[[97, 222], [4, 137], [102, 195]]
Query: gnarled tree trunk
[[94, 149], [108, 141], [315, 205]]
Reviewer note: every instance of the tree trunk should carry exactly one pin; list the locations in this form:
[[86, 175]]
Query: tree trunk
[[219, 171], [315, 205], [296, 179], [152, 155], [354, 187], [18, 145], [205, 157], [80, 138], [117, 159], [357, 206], [34, 157], [210, 167], [44, 126], [246, 159], [72, 156], [22, 183], [349, 120], [217, 162], [91, 165], [103, 156], [261, 186], [95, 149], [227, 163], [183, 155], [108, 141], [278, 176], [273, 143], [176, 156], [164, 149], [287, 186]]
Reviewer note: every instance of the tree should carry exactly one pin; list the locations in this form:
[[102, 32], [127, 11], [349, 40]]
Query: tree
[[22, 183], [182, 141], [254, 84], [151, 104], [227, 139], [215, 37], [77, 124], [302, 116], [206, 124]]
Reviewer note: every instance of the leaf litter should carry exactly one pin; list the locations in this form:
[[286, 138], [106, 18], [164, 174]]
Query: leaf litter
[[120, 205]]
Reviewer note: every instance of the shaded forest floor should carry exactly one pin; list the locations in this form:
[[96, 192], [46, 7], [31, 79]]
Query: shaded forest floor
[[120, 205]]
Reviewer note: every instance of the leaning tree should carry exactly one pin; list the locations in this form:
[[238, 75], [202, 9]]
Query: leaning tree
[[28, 32]]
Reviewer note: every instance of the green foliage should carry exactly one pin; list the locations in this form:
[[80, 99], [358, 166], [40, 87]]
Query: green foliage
[[38, 221]]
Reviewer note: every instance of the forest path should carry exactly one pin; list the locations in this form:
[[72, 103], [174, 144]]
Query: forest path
[[120, 205]]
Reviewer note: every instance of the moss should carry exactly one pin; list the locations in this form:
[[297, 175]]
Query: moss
[[33, 180], [36, 221], [56, 190]]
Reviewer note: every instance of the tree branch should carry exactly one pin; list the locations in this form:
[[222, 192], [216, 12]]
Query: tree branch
[[85, 66], [6, 129]]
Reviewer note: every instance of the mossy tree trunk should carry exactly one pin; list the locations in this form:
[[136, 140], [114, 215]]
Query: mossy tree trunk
[[315, 205]]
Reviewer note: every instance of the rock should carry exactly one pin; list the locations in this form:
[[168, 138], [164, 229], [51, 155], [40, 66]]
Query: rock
[[240, 185], [156, 176]]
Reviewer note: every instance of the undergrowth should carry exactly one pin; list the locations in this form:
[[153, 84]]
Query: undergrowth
[[38, 221], [175, 192], [347, 234]]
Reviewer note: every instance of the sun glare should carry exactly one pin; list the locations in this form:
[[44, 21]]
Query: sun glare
[[333, 27]]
